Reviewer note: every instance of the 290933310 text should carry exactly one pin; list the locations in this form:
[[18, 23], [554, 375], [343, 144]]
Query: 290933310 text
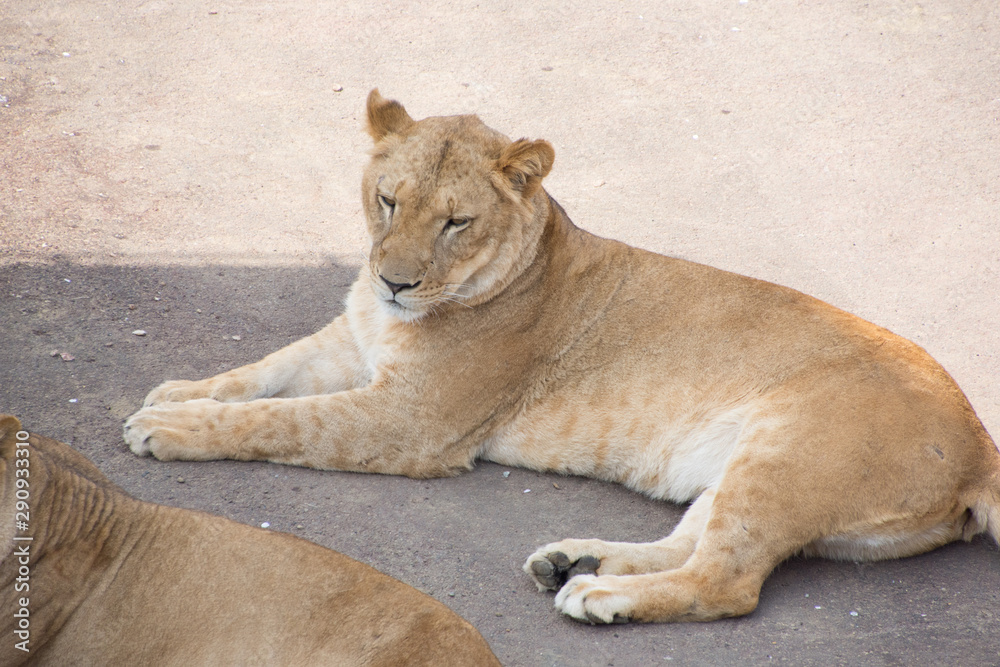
[[22, 541]]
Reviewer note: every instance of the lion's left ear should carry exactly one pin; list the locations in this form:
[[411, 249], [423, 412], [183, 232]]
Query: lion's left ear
[[386, 117], [523, 164]]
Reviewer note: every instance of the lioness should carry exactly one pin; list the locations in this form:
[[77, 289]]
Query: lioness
[[93, 576], [486, 325]]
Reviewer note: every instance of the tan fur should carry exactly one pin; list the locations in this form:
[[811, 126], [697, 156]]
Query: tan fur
[[515, 337], [115, 581]]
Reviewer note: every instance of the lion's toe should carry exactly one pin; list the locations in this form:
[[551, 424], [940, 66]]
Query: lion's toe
[[552, 568]]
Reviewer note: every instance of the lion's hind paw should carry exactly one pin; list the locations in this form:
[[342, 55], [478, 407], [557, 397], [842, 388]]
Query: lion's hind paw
[[595, 600], [552, 569]]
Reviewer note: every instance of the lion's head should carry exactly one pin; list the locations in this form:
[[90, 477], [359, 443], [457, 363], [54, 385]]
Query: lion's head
[[455, 210]]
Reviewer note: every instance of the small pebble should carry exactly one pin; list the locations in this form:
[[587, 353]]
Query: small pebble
[[180, 480], [299, 526], [237, 338], [506, 473], [72, 400], [338, 89], [266, 524], [131, 306], [854, 613], [197, 310], [555, 486], [138, 332], [818, 607], [451, 594], [66, 356], [109, 345], [54, 353], [527, 490]]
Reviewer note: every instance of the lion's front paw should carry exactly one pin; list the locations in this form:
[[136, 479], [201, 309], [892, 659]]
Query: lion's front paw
[[177, 391], [554, 564], [171, 431], [592, 599]]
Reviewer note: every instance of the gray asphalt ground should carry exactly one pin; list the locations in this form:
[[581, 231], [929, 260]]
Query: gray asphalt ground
[[192, 169]]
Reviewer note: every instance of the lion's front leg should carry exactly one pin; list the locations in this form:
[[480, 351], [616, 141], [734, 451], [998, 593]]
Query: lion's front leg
[[326, 362], [356, 430], [196, 430]]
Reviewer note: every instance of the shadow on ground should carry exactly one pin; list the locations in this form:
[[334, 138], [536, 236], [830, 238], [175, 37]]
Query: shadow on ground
[[462, 540]]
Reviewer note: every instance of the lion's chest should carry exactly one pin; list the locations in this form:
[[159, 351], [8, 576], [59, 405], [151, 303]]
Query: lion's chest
[[380, 338]]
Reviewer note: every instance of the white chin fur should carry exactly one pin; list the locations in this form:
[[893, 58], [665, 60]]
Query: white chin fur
[[399, 311]]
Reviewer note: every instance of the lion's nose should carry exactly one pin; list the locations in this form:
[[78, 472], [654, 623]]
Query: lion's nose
[[396, 287]]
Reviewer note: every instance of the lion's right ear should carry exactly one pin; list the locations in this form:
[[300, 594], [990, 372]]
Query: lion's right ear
[[522, 166], [386, 117], [9, 426]]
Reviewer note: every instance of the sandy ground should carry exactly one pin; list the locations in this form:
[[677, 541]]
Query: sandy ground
[[192, 169]]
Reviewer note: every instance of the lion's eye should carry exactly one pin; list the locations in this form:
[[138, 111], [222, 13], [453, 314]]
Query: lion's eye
[[457, 224], [386, 202]]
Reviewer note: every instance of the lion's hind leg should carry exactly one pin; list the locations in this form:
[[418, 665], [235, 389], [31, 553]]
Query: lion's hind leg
[[765, 509], [731, 556], [554, 564]]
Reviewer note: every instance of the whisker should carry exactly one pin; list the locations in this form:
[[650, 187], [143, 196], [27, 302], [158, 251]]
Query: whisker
[[454, 287], [446, 298]]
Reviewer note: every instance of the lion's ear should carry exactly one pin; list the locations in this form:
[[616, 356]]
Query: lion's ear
[[523, 164], [9, 426], [386, 117]]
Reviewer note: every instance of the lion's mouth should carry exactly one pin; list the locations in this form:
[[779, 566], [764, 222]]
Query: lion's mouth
[[395, 305]]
